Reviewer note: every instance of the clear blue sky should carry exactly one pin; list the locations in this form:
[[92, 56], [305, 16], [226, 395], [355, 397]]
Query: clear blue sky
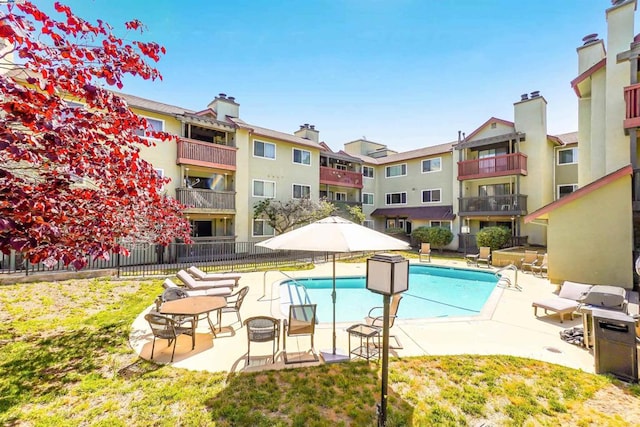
[[406, 73]]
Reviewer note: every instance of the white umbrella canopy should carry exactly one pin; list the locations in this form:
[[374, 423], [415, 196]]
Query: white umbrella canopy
[[334, 234]]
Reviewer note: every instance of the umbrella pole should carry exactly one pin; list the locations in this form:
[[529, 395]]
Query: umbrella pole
[[333, 296]]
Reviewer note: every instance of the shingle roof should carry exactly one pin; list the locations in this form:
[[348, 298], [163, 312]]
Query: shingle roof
[[568, 138], [149, 105], [407, 155], [420, 212], [269, 133]]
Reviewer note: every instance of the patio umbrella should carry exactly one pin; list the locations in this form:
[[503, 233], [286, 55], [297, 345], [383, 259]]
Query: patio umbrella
[[334, 234]]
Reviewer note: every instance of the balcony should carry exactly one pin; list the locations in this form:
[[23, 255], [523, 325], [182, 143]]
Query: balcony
[[632, 99], [340, 177], [504, 165], [207, 200], [207, 154], [507, 205]]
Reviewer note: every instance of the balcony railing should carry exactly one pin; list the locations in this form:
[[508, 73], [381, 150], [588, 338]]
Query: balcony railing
[[506, 164], [632, 99], [207, 154], [199, 198], [340, 177], [507, 205]]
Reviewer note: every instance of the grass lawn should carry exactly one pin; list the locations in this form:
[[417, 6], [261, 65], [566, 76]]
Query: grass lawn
[[65, 361]]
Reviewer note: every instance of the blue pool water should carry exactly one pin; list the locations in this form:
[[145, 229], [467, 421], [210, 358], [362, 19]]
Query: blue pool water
[[433, 292]]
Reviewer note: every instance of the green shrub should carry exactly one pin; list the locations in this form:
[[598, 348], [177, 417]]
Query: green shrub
[[494, 237], [395, 230], [439, 237]]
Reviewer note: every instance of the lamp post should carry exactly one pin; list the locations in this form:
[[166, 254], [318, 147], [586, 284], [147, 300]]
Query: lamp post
[[387, 274]]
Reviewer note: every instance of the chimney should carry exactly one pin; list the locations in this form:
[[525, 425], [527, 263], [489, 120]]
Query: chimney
[[535, 94], [225, 107], [309, 132], [524, 97]]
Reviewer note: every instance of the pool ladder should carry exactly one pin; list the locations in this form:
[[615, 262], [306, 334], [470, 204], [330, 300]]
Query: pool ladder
[[505, 280], [297, 284]]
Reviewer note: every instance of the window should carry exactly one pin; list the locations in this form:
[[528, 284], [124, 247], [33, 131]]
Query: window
[[262, 228], [367, 198], [431, 165], [201, 229], [264, 189], [396, 198], [341, 197], [341, 167], [367, 172], [301, 191], [396, 170], [368, 223], [443, 224], [153, 125], [431, 196], [266, 150], [563, 190], [302, 157], [492, 152], [568, 156]]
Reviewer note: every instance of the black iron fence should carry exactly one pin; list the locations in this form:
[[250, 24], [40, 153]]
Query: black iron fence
[[155, 260]]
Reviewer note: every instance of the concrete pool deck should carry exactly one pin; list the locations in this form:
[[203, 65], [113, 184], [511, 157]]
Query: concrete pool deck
[[507, 327]]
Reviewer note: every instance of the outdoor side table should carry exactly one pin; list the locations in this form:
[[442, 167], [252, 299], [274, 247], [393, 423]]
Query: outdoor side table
[[368, 347]]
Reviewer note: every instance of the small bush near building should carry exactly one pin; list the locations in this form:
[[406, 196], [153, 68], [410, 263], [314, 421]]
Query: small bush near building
[[395, 230], [494, 237], [439, 237]]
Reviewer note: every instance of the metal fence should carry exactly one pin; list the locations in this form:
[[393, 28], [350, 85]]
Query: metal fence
[[156, 260]]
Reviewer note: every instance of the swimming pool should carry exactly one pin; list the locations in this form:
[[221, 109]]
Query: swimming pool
[[433, 292]]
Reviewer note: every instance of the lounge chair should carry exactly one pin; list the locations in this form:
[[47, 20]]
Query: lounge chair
[[194, 284], [567, 302], [540, 268], [530, 258], [483, 256], [263, 329], [214, 292], [375, 318], [201, 275], [302, 322], [425, 251]]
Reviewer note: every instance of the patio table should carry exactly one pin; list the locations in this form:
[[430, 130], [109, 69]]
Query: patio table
[[195, 307]]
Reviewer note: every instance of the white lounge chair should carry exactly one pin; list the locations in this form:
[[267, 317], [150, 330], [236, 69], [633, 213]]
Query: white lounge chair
[[201, 275], [567, 301], [194, 284]]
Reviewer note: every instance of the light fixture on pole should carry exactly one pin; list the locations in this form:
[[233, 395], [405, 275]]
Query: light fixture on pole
[[387, 274]]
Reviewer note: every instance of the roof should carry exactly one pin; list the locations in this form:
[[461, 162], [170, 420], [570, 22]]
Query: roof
[[147, 104], [408, 155], [588, 73], [420, 212], [491, 120], [342, 155], [565, 138], [269, 133], [543, 212]]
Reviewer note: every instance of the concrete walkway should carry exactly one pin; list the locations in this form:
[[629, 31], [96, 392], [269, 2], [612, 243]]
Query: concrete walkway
[[506, 326]]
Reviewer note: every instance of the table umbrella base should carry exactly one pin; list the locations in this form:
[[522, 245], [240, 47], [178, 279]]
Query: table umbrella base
[[329, 357]]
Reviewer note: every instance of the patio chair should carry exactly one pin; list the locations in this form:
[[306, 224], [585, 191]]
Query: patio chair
[[234, 302], [540, 268], [301, 322], [166, 327], [425, 251], [375, 318], [484, 256], [225, 286], [530, 258], [263, 329], [201, 275]]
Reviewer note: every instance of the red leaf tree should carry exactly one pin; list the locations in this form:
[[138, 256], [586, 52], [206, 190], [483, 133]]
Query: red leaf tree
[[72, 183]]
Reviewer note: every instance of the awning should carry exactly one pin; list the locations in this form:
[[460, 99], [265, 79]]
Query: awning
[[422, 212]]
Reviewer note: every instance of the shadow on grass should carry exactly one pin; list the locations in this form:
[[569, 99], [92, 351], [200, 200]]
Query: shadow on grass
[[338, 394], [41, 367]]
